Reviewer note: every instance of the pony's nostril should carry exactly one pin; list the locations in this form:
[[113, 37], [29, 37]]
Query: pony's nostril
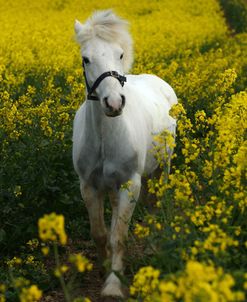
[[105, 99], [123, 100]]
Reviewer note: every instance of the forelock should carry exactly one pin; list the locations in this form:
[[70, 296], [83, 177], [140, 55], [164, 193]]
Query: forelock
[[109, 27]]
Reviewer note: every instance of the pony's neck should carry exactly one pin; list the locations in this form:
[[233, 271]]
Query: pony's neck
[[94, 115], [102, 127]]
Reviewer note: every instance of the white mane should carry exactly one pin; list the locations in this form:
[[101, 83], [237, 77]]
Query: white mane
[[107, 26]]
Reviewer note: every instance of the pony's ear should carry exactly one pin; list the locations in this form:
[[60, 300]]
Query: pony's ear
[[78, 26]]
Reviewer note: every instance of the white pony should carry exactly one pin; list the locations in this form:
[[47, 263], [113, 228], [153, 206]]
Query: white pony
[[113, 132]]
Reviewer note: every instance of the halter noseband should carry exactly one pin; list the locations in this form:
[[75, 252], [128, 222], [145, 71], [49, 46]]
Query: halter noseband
[[91, 90]]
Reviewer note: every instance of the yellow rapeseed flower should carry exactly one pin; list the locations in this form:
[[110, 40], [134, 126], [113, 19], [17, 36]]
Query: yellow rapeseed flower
[[81, 263], [177, 110], [198, 282], [59, 271], [45, 250], [51, 228], [145, 282], [30, 294], [33, 243], [14, 261], [141, 231]]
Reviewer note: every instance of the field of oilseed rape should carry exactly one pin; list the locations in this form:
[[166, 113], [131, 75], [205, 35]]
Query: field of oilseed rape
[[192, 245]]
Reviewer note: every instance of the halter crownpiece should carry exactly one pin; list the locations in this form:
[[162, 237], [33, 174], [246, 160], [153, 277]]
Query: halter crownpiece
[[91, 90]]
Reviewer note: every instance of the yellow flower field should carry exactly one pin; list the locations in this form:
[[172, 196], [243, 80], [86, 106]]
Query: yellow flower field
[[194, 246]]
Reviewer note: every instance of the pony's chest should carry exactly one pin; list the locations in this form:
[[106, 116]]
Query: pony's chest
[[107, 166]]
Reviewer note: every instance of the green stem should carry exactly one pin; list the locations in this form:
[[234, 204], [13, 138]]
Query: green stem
[[16, 289], [61, 279], [72, 279]]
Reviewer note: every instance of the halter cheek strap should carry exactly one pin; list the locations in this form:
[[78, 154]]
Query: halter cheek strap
[[91, 90]]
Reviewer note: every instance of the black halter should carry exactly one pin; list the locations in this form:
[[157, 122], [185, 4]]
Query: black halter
[[91, 90]]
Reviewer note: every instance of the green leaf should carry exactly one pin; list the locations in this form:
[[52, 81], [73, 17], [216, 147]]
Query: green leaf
[[2, 235]]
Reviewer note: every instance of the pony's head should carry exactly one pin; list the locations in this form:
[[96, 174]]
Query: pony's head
[[105, 46]]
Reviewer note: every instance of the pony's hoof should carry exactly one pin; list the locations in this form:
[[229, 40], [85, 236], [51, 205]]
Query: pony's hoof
[[112, 288]]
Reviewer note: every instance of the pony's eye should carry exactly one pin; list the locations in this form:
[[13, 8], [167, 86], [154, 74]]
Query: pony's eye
[[121, 56], [86, 60]]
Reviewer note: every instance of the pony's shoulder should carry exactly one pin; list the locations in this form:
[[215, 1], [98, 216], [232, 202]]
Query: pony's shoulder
[[153, 83], [140, 77], [150, 79]]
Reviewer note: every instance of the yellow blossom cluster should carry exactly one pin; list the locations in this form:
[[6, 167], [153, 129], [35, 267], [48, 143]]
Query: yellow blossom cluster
[[51, 228], [61, 270], [141, 231], [81, 263], [27, 292], [30, 294], [14, 261], [33, 243], [164, 145], [145, 282], [200, 282]]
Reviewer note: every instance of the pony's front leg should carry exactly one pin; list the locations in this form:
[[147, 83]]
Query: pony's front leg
[[94, 201], [123, 205]]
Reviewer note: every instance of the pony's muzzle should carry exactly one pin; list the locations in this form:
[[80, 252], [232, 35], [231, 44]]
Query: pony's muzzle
[[114, 106]]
